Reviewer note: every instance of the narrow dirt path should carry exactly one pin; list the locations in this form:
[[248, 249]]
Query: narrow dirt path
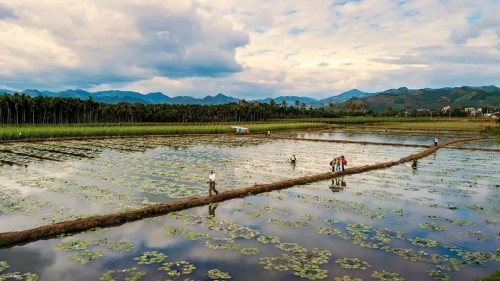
[[48, 231]]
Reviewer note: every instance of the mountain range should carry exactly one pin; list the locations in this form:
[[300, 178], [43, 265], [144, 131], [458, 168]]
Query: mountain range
[[400, 98]]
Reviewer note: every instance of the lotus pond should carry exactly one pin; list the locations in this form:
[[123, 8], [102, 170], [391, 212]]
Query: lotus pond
[[438, 222]]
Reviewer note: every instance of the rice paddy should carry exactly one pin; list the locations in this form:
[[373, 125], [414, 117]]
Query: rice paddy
[[436, 222], [20, 132]]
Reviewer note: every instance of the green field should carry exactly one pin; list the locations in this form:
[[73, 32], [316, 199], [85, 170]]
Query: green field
[[14, 132]]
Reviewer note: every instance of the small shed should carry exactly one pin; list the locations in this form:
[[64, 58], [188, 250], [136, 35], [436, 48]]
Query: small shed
[[241, 130]]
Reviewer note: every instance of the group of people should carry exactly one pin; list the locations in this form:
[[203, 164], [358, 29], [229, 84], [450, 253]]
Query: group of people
[[338, 164]]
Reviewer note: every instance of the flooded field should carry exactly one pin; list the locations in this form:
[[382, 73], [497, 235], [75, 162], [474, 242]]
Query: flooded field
[[438, 222]]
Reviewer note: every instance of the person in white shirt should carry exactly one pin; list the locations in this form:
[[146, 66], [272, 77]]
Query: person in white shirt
[[211, 183], [435, 141]]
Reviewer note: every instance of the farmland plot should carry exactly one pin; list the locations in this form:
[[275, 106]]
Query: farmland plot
[[438, 222]]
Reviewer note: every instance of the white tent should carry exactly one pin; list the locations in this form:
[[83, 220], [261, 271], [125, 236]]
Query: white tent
[[241, 130]]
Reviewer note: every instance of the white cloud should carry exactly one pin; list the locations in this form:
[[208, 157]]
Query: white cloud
[[248, 48]]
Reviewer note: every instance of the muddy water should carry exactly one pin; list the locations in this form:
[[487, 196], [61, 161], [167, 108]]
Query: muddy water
[[441, 218]]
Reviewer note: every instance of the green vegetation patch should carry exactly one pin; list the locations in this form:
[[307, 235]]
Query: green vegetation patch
[[129, 274], [19, 276], [150, 257], [432, 226], [423, 242], [387, 276], [221, 243], [175, 269], [353, 263], [269, 239], [187, 233], [347, 278], [439, 275], [3, 266], [249, 251], [217, 274]]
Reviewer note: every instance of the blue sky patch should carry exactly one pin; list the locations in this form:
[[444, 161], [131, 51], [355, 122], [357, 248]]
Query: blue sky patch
[[296, 31], [474, 17]]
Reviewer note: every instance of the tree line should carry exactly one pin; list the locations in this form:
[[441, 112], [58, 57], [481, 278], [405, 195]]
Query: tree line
[[24, 109]]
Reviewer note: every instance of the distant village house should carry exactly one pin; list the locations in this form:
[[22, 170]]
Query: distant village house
[[446, 109], [471, 111]]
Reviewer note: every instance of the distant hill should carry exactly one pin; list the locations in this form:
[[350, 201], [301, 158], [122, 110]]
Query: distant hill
[[219, 99], [290, 100], [400, 98], [345, 96], [6, 91], [457, 97]]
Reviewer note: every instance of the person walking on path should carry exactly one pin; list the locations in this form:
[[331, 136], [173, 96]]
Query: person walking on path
[[333, 163], [343, 161], [435, 141], [293, 159], [211, 184]]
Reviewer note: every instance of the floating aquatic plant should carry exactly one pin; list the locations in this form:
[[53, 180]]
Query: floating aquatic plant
[[19, 276], [150, 257], [477, 235], [474, 258], [308, 217], [327, 231], [331, 221], [439, 275], [353, 263], [309, 271], [387, 276], [289, 223], [121, 246], [432, 226], [269, 239], [129, 274], [3, 266], [221, 244], [423, 242], [249, 251], [291, 247], [347, 278], [187, 233], [175, 269], [217, 274], [86, 256], [280, 263], [314, 256]]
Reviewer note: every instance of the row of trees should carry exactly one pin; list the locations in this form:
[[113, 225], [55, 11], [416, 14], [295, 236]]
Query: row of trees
[[22, 109]]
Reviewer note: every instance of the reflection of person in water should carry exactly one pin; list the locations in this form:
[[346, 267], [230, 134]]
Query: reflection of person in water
[[293, 164], [338, 184], [211, 210]]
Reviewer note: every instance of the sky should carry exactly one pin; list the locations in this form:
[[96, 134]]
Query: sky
[[250, 48]]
